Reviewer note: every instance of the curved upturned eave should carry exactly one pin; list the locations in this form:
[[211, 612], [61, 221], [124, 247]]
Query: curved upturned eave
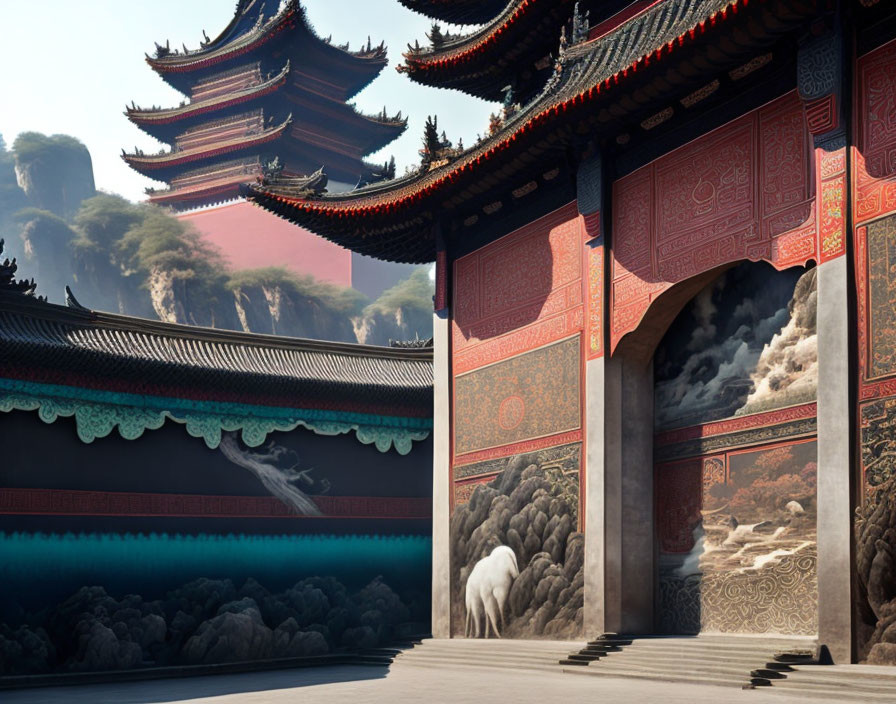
[[152, 164], [150, 120], [456, 11], [176, 68], [475, 62], [363, 219]]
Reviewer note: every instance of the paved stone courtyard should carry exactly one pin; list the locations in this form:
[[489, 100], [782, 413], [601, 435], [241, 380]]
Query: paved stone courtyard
[[401, 684]]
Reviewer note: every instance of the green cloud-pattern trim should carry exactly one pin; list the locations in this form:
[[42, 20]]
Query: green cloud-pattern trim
[[97, 413]]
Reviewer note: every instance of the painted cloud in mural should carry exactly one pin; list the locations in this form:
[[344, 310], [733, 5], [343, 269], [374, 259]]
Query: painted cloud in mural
[[787, 370], [745, 343]]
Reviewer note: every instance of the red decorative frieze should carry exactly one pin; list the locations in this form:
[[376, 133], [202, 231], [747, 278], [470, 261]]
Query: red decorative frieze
[[63, 502], [875, 150], [831, 202], [743, 191], [519, 292], [595, 338], [736, 424], [518, 448]]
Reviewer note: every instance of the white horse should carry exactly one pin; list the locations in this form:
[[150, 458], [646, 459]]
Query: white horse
[[487, 589]]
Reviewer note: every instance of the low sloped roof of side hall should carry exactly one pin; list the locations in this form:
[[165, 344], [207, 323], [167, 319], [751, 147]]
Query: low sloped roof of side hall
[[457, 11], [633, 68], [52, 344], [291, 23]]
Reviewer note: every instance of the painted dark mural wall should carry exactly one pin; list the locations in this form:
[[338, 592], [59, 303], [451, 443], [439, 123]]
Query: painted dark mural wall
[[517, 538], [122, 554], [745, 344], [874, 173], [735, 479]]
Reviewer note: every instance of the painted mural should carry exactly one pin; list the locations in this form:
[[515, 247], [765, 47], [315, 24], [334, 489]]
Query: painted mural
[[745, 344], [738, 542], [175, 554], [735, 480], [517, 542], [517, 549], [875, 212], [532, 395]]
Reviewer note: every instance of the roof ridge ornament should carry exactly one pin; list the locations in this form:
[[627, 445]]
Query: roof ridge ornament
[[8, 281]]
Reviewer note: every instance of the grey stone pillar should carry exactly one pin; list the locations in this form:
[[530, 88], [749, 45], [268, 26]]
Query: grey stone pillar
[[597, 551], [629, 576], [822, 68], [441, 478], [835, 415]]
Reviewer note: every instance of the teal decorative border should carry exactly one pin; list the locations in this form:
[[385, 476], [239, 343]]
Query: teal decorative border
[[97, 413]]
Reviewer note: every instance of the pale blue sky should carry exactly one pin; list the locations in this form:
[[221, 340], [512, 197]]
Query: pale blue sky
[[71, 67]]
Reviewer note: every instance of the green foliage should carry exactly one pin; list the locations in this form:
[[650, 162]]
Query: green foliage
[[413, 295], [32, 146], [44, 229], [105, 219], [337, 299]]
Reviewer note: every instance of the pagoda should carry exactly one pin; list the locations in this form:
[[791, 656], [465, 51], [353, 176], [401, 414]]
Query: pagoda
[[268, 95], [266, 90]]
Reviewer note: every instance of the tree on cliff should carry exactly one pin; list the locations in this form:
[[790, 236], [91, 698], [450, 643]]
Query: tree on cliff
[[402, 312], [55, 171]]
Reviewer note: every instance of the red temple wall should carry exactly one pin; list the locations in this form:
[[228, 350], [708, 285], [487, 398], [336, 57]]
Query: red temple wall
[[744, 191], [518, 329], [874, 214], [250, 238]]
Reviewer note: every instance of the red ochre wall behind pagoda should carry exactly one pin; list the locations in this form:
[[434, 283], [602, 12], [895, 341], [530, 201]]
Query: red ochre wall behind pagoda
[[250, 238]]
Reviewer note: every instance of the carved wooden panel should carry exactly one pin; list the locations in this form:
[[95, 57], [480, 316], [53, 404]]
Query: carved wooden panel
[[743, 191]]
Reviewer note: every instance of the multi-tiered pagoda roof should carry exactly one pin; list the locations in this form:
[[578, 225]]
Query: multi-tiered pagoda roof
[[515, 48], [266, 90], [609, 86]]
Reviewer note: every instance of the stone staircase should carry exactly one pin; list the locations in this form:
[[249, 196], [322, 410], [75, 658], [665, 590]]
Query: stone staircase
[[736, 661], [480, 654], [733, 661], [867, 683]]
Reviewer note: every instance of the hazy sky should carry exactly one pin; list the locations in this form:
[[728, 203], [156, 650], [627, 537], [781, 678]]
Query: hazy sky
[[71, 67]]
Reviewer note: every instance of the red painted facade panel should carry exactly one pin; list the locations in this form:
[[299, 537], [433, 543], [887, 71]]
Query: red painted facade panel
[[744, 191]]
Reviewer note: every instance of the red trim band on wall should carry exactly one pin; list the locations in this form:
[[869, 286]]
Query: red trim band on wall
[[64, 502]]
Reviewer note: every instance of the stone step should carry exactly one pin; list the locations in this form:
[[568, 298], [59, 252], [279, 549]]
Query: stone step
[[733, 669], [701, 643], [844, 673], [659, 677], [485, 667], [498, 657], [841, 685], [746, 663], [765, 673], [584, 657], [815, 693], [759, 656]]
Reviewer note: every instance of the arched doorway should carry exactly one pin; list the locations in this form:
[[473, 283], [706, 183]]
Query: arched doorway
[[734, 381]]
